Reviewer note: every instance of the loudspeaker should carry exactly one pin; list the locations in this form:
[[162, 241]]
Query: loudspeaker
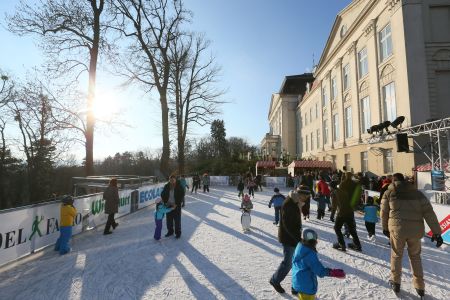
[[402, 142]]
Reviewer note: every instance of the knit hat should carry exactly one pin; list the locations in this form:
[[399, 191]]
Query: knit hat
[[67, 199], [276, 190], [309, 235]]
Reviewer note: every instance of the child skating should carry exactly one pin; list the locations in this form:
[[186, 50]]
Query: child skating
[[246, 207], [160, 212], [306, 267], [277, 201], [370, 218], [67, 216]]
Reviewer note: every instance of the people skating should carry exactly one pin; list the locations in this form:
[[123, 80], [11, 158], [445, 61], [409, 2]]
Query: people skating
[[251, 187], [172, 196], [246, 207], [277, 202], [403, 210], [324, 190], [185, 186], [240, 188], [195, 183], [333, 194], [111, 197], [67, 216], [160, 211], [370, 218], [348, 196], [258, 182], [321, 205], [307, 205], [205, 181], [306, 266], [289, 234]]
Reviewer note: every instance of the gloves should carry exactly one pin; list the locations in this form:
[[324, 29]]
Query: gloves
[[386, 233], [338, 273], [438, 239]]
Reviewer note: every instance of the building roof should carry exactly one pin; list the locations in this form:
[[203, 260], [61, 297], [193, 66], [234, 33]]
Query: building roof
[[296, 84], [266, 164], [311, 164]]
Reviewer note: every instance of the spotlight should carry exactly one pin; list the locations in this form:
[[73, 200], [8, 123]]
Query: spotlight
[[373, 129], [386, 125], [398, 122]]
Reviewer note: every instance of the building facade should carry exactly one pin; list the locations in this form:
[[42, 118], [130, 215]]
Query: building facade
[[281, 140], [382, 60]]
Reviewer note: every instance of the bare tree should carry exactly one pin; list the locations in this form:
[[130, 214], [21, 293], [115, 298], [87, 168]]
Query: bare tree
[[193, 94], [73, 28], [153, 25]]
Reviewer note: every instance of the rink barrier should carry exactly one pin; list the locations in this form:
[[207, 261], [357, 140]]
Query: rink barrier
[[31, 228]]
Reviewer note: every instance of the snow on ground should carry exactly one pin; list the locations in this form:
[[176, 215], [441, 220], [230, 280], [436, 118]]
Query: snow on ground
[[212, 259]]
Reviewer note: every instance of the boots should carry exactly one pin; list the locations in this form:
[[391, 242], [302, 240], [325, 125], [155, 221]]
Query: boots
[[394, 286], [421, 293]]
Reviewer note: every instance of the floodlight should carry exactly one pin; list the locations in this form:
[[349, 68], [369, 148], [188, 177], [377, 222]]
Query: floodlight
[[398, 122], [386, 125]]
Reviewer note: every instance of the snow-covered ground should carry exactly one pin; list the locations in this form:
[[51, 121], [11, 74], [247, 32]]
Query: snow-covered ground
[[212, 259]]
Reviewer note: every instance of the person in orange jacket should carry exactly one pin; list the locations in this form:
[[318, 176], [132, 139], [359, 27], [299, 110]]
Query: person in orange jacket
[[68, 213]]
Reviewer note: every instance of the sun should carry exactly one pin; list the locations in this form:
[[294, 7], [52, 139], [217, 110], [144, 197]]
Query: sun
[[105, 105]]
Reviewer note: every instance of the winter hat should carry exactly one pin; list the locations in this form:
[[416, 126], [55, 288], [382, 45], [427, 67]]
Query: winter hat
[[158, 200], [67, 199], [276, 190], [309, 235]]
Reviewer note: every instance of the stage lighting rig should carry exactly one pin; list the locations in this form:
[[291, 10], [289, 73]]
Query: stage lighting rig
[[398, 122]]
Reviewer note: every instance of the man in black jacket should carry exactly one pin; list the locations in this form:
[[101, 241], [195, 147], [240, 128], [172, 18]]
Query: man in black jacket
[[289, 235], [173, 195]]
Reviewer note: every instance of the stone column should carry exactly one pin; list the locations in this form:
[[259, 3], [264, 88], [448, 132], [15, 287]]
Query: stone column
[[352, 51], [338, 67]]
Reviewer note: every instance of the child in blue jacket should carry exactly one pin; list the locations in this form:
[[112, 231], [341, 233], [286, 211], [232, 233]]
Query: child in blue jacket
[[160, 211], [370, 217], [306, 267], [277, 201]]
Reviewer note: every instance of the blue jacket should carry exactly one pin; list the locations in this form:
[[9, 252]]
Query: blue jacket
[[305, 269], [277, 200], [161, 210], [370, 213]]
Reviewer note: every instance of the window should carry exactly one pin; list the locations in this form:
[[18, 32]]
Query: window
[[312, 141], [364, 162], [324, 96], [335, 127], [347, 162], [317, 110], [363, 66], [346, 76], [318, 138], [325, 132], [306, 119], [333, 88], [390, 106], [388, 162], [310, 114], [307, 148], [348, 122], [385, 42], [365, 114]]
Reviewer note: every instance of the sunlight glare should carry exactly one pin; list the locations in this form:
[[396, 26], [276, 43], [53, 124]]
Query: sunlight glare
[[105, 105]]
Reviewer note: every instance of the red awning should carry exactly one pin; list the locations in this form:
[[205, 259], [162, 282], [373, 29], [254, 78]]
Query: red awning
[[313, 164], [266, 164], [427, 167]]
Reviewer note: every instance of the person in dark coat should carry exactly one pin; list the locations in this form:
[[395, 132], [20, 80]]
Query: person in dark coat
[[111, 197], [348, 196], [172, 196], [289, 235]]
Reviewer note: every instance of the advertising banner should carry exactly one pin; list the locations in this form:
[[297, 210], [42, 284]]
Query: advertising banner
[[25, 230], [148, 194], [219, 180], [275, 181], [443, 215]]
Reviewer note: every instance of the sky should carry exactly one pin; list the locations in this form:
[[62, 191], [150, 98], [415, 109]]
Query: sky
[[256, 42]]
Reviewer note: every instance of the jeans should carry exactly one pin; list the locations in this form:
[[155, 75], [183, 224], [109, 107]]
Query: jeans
[[285, 266], [205, 188], [350, 222], [158, 228], [62, 244], [174, 217], [251, 191], [277, 214]]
